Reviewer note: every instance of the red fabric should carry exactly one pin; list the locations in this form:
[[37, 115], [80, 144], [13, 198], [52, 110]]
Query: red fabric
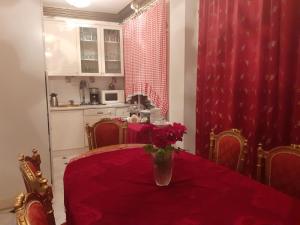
[[249, 71], [36, 214], [106, 134], [32, 166], [117, 188], [285, 173], [229, 149], [145, 55], [138, 133]]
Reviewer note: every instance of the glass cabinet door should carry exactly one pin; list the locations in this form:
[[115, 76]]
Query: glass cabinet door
[[89, 50], [112, 51]]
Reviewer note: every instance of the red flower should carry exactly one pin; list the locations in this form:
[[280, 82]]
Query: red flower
[[179, 130], [167, 135]]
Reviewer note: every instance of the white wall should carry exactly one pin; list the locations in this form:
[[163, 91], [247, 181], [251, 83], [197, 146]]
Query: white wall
[[23, 110], [190, 79], [176, 60], [183, 66]]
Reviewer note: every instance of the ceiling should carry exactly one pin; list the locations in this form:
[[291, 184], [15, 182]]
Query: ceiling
[[107, 6]]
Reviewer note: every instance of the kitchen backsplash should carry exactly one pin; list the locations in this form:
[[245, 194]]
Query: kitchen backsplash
[[68, 88]]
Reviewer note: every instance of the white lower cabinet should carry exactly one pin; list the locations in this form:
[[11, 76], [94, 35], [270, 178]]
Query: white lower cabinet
[[122, 112], [67, 129]]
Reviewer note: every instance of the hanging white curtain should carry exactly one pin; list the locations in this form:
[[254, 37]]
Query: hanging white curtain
[[145, 55]]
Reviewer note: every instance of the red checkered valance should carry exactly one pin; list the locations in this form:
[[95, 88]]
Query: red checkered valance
[[145, 55]]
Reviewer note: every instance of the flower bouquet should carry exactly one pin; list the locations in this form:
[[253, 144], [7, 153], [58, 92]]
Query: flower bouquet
[[162, 149]]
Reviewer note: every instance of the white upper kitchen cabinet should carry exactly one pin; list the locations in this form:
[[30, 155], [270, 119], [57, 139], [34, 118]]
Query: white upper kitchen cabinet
[[90, 52], [112, 47], [61, 48], [83, 48]]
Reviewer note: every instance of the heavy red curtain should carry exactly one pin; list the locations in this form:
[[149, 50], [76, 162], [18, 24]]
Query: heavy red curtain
[[145, 55], [249, 71]]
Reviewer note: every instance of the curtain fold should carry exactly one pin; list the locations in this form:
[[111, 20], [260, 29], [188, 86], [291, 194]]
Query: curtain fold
[[145, 55], [248, 71]]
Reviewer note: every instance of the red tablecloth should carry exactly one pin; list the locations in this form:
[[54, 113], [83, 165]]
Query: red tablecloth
[[117, 188], [138, 133]]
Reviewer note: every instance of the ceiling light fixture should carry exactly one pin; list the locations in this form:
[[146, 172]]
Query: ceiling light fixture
[[79, 3]]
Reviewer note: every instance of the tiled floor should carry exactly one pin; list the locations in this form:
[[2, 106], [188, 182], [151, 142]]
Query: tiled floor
[[59, 164]]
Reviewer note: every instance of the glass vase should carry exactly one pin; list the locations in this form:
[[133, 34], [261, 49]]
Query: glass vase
[[162, 167]]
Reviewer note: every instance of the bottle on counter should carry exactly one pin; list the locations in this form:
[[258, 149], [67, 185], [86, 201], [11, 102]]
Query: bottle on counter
[[53, 100]]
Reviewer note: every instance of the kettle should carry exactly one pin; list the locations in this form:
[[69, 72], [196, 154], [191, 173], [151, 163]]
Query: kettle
[[53, 100]]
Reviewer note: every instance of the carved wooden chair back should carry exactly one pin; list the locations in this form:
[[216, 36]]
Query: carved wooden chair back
[[280, 168], [29, 166], [35, 182], [30, 210], [106, 132], [228, 148]]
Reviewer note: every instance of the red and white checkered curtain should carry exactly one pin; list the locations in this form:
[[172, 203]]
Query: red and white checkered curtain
[[145, 55]]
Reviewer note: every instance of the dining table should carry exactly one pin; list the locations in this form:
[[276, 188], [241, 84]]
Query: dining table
[[114, 185]]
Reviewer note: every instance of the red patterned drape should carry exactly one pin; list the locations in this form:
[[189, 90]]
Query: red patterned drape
[[145, 55], [249, 71]]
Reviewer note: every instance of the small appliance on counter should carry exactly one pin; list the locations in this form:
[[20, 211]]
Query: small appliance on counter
[[112, 96], [94, 96], [83, 91], [53, 100]]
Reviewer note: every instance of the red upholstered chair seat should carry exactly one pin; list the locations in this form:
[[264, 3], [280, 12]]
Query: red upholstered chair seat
[[35, 182], [35, 213], [228, 151], [282, 168], [228, 148], [30, 210], [106, 132], [285, 173]]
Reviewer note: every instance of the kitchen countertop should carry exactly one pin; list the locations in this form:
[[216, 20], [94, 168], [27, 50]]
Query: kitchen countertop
[[81, 107]]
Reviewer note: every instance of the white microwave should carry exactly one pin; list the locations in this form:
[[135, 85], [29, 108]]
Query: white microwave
[[112, 96]]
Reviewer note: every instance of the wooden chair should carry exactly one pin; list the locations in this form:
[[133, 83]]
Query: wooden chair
[[106, 132], [35, 182], [29, 166], [280, 168], [30, 210], [228, 148]]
